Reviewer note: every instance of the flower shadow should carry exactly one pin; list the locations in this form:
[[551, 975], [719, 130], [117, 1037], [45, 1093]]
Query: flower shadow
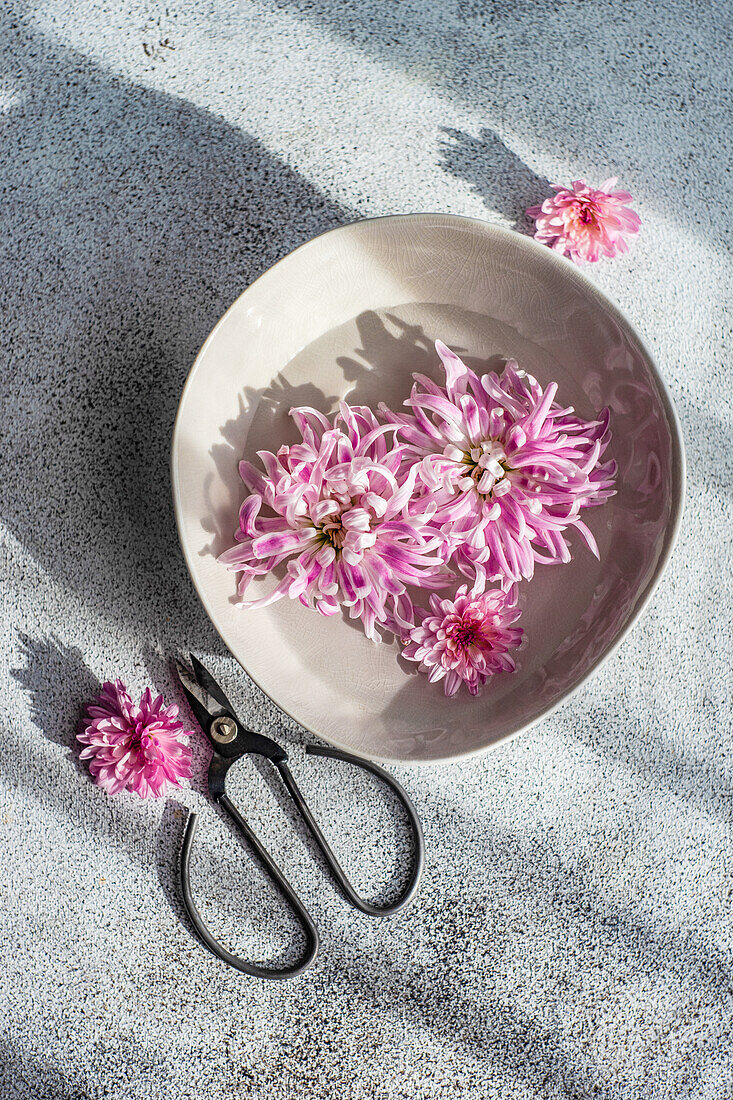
[[501, 178], [389, 346], [392, 347], [59, 686]]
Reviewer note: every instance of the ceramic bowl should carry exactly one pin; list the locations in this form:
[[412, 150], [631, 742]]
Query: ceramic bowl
[[351, 315]]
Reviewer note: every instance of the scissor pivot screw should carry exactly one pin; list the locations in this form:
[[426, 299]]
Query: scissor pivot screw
[[223, 729]]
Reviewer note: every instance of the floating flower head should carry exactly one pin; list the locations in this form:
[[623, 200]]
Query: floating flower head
[[466, 639], [135, 746], [505, 469], [340, 523], [585, 223]]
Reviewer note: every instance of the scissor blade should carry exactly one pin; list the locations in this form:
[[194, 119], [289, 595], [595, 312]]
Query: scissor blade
[[208, 701], [199, 701], [209, 685]]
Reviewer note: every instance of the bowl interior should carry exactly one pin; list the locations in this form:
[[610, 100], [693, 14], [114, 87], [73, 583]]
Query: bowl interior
[[353, 314]]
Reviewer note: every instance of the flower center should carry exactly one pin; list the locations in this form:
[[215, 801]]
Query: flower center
[[142, 739], [347, 527], [463, 634], [485, 467], [334, 532], [585, 214]]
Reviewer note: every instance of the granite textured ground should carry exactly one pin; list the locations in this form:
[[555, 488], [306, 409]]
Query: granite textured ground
[[574, 937]]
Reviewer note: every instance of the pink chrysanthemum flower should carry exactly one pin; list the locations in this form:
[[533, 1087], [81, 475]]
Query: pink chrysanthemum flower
[[504, 467], [585, 223], [467, 639], [135, 746], [340, 523]]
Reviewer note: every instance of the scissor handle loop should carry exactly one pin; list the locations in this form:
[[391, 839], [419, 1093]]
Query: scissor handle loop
[[312, 939], [337, 871]]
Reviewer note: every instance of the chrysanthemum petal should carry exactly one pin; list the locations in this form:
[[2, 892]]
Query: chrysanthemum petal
[[137, 747]]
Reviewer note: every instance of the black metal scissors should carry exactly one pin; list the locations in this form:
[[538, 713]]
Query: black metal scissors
[[230, 740]]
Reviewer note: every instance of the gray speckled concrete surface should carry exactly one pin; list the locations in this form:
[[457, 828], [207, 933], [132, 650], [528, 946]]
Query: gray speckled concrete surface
[[574, 936]]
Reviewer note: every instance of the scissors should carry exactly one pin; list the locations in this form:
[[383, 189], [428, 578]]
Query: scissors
[[230, 740]]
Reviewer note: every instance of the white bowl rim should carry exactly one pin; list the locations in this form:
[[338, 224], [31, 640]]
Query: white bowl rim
[[678, 465]]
